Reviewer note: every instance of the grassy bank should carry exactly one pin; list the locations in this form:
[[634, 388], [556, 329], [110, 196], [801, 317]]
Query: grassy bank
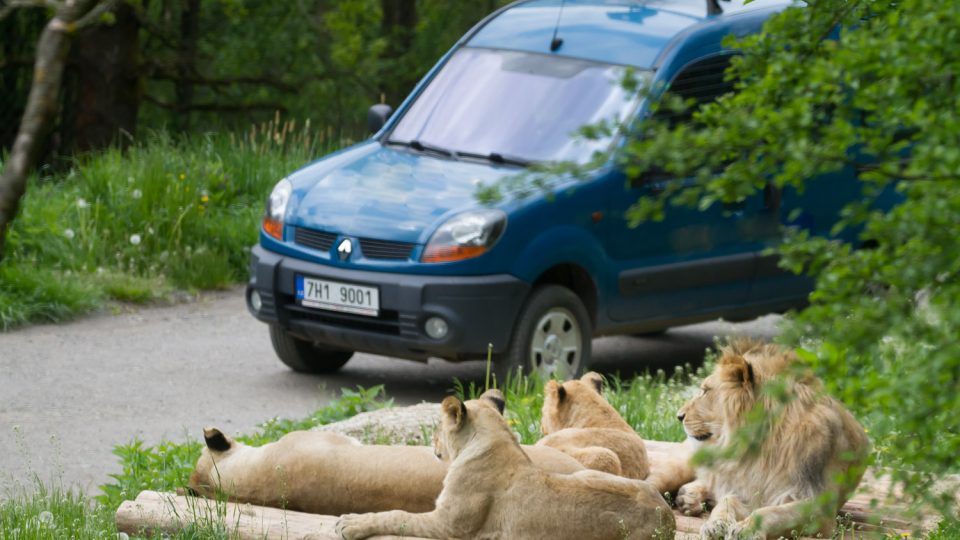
[[168, 214]]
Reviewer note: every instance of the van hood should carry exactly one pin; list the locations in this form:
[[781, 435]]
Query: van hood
[[383, 193]]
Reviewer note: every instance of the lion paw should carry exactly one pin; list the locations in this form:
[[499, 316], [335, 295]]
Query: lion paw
[[744, 531], [354, 526], [716, 530], [692, 499]]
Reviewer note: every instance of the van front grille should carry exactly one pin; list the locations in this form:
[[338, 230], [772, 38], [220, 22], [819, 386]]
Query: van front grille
[[310, 238], [382, 249]]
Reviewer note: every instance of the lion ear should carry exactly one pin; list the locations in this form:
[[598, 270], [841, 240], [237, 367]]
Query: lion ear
[[454, 410], [595, 379], [216, 440], [556, 389], [496, 398], [737, 370]]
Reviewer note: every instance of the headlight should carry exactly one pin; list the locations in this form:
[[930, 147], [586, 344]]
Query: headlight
[[277, 209], [465, 236]]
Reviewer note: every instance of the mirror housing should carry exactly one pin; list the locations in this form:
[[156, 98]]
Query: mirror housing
[[377, 116]]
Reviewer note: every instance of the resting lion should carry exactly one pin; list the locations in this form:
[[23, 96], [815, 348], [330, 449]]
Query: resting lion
[[813, 448], [327, 473], [492, 491], [579, 421]]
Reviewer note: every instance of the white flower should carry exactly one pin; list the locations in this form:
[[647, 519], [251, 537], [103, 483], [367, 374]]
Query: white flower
[[129, 179], [82, 203], [135, 239], [149, 230], [69, 234], [123, 536], [46, 517], [136, 194]]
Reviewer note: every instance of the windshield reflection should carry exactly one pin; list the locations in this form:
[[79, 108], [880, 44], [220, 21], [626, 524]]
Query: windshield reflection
[[526, 106]]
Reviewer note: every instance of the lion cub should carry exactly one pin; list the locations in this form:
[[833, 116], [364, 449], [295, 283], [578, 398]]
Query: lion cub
[[491, 490], [577, 420]]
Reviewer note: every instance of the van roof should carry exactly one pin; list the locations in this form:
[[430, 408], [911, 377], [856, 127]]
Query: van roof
[[613, 31]]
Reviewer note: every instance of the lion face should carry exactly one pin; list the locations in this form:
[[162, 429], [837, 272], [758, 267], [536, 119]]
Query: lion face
[[563, 403], [724, 398]]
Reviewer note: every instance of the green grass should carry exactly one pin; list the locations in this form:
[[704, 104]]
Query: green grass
[[132, 226]]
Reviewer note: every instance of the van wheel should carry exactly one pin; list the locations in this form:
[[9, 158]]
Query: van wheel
[[304, 356], [551, 339]]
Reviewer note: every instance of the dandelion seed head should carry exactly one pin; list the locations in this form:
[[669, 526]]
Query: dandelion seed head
[[82, 203], [135, 239], [69, 234], [136, 194], [129, 179], [45, 517]]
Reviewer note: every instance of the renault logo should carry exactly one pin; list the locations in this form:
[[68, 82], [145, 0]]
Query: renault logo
[[345, 249]]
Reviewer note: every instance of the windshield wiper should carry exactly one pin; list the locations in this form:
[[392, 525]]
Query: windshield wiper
[[498, 158], [429, 148]]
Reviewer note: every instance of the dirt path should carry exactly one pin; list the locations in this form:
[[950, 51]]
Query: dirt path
[[70, 393]]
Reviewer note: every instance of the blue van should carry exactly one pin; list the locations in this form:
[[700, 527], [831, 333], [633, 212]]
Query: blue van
[[384, 248]]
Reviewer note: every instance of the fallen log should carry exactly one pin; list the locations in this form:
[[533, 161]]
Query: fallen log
[[166, 513]]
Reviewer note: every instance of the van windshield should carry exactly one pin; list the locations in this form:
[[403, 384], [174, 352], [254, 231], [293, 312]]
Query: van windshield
[[514, 106]]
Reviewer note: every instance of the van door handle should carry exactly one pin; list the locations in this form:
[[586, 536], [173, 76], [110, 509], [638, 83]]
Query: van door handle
[[772, 196]]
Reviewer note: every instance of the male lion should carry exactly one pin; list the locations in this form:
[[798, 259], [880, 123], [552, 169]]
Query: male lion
[[327, 473], [492, 491], [811, 448], [579, 421]]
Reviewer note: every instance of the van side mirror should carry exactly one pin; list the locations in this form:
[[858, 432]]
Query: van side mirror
[[377, 116]]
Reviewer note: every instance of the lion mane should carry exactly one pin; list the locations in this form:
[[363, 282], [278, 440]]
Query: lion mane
[[790, 471]]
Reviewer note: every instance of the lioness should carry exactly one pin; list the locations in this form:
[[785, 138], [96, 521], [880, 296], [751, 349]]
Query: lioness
[[492, 491], [327, 473], [812, 447], [579, 421]]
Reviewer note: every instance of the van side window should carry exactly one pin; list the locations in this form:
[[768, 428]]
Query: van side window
[[702, 81]]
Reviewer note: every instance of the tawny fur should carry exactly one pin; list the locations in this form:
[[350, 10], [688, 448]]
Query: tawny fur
[[493, 491], [327, 473], [578, 420], [813, 447]]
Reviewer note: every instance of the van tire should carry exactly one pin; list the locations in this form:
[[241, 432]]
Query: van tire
[[304, 356], [552, 337]]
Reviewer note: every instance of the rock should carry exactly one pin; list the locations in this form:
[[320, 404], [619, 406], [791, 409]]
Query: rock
[[411, 425]]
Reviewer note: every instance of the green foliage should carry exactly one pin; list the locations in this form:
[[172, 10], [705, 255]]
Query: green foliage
[[880, 99], [44, 513], [132, 225]]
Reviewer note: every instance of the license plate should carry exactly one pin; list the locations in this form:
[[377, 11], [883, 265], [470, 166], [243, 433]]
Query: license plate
[[337, 296]]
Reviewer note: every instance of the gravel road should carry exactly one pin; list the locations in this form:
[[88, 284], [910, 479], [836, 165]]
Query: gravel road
[[69, 393]]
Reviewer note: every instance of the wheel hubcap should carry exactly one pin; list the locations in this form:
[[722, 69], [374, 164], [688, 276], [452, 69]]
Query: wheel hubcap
[[555, 347]]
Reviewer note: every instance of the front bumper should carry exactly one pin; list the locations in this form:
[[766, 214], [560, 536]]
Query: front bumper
[[479, 310]]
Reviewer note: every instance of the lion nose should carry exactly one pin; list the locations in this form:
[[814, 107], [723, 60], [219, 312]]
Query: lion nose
[[681, 416]]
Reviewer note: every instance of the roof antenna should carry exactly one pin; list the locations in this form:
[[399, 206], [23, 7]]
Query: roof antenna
[[713, 7], [556, 42]]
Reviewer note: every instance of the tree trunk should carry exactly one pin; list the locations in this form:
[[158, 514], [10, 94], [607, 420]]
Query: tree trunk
[[106, 91], [398, 26], [41, 108], [187, 60]]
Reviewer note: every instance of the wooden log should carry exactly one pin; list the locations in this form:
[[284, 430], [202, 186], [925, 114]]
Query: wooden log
[[165, 513]]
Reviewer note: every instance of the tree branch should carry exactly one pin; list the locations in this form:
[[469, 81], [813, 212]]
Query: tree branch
[[93, 16]]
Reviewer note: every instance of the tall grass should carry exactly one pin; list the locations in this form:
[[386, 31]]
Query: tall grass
[[169, 212]]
